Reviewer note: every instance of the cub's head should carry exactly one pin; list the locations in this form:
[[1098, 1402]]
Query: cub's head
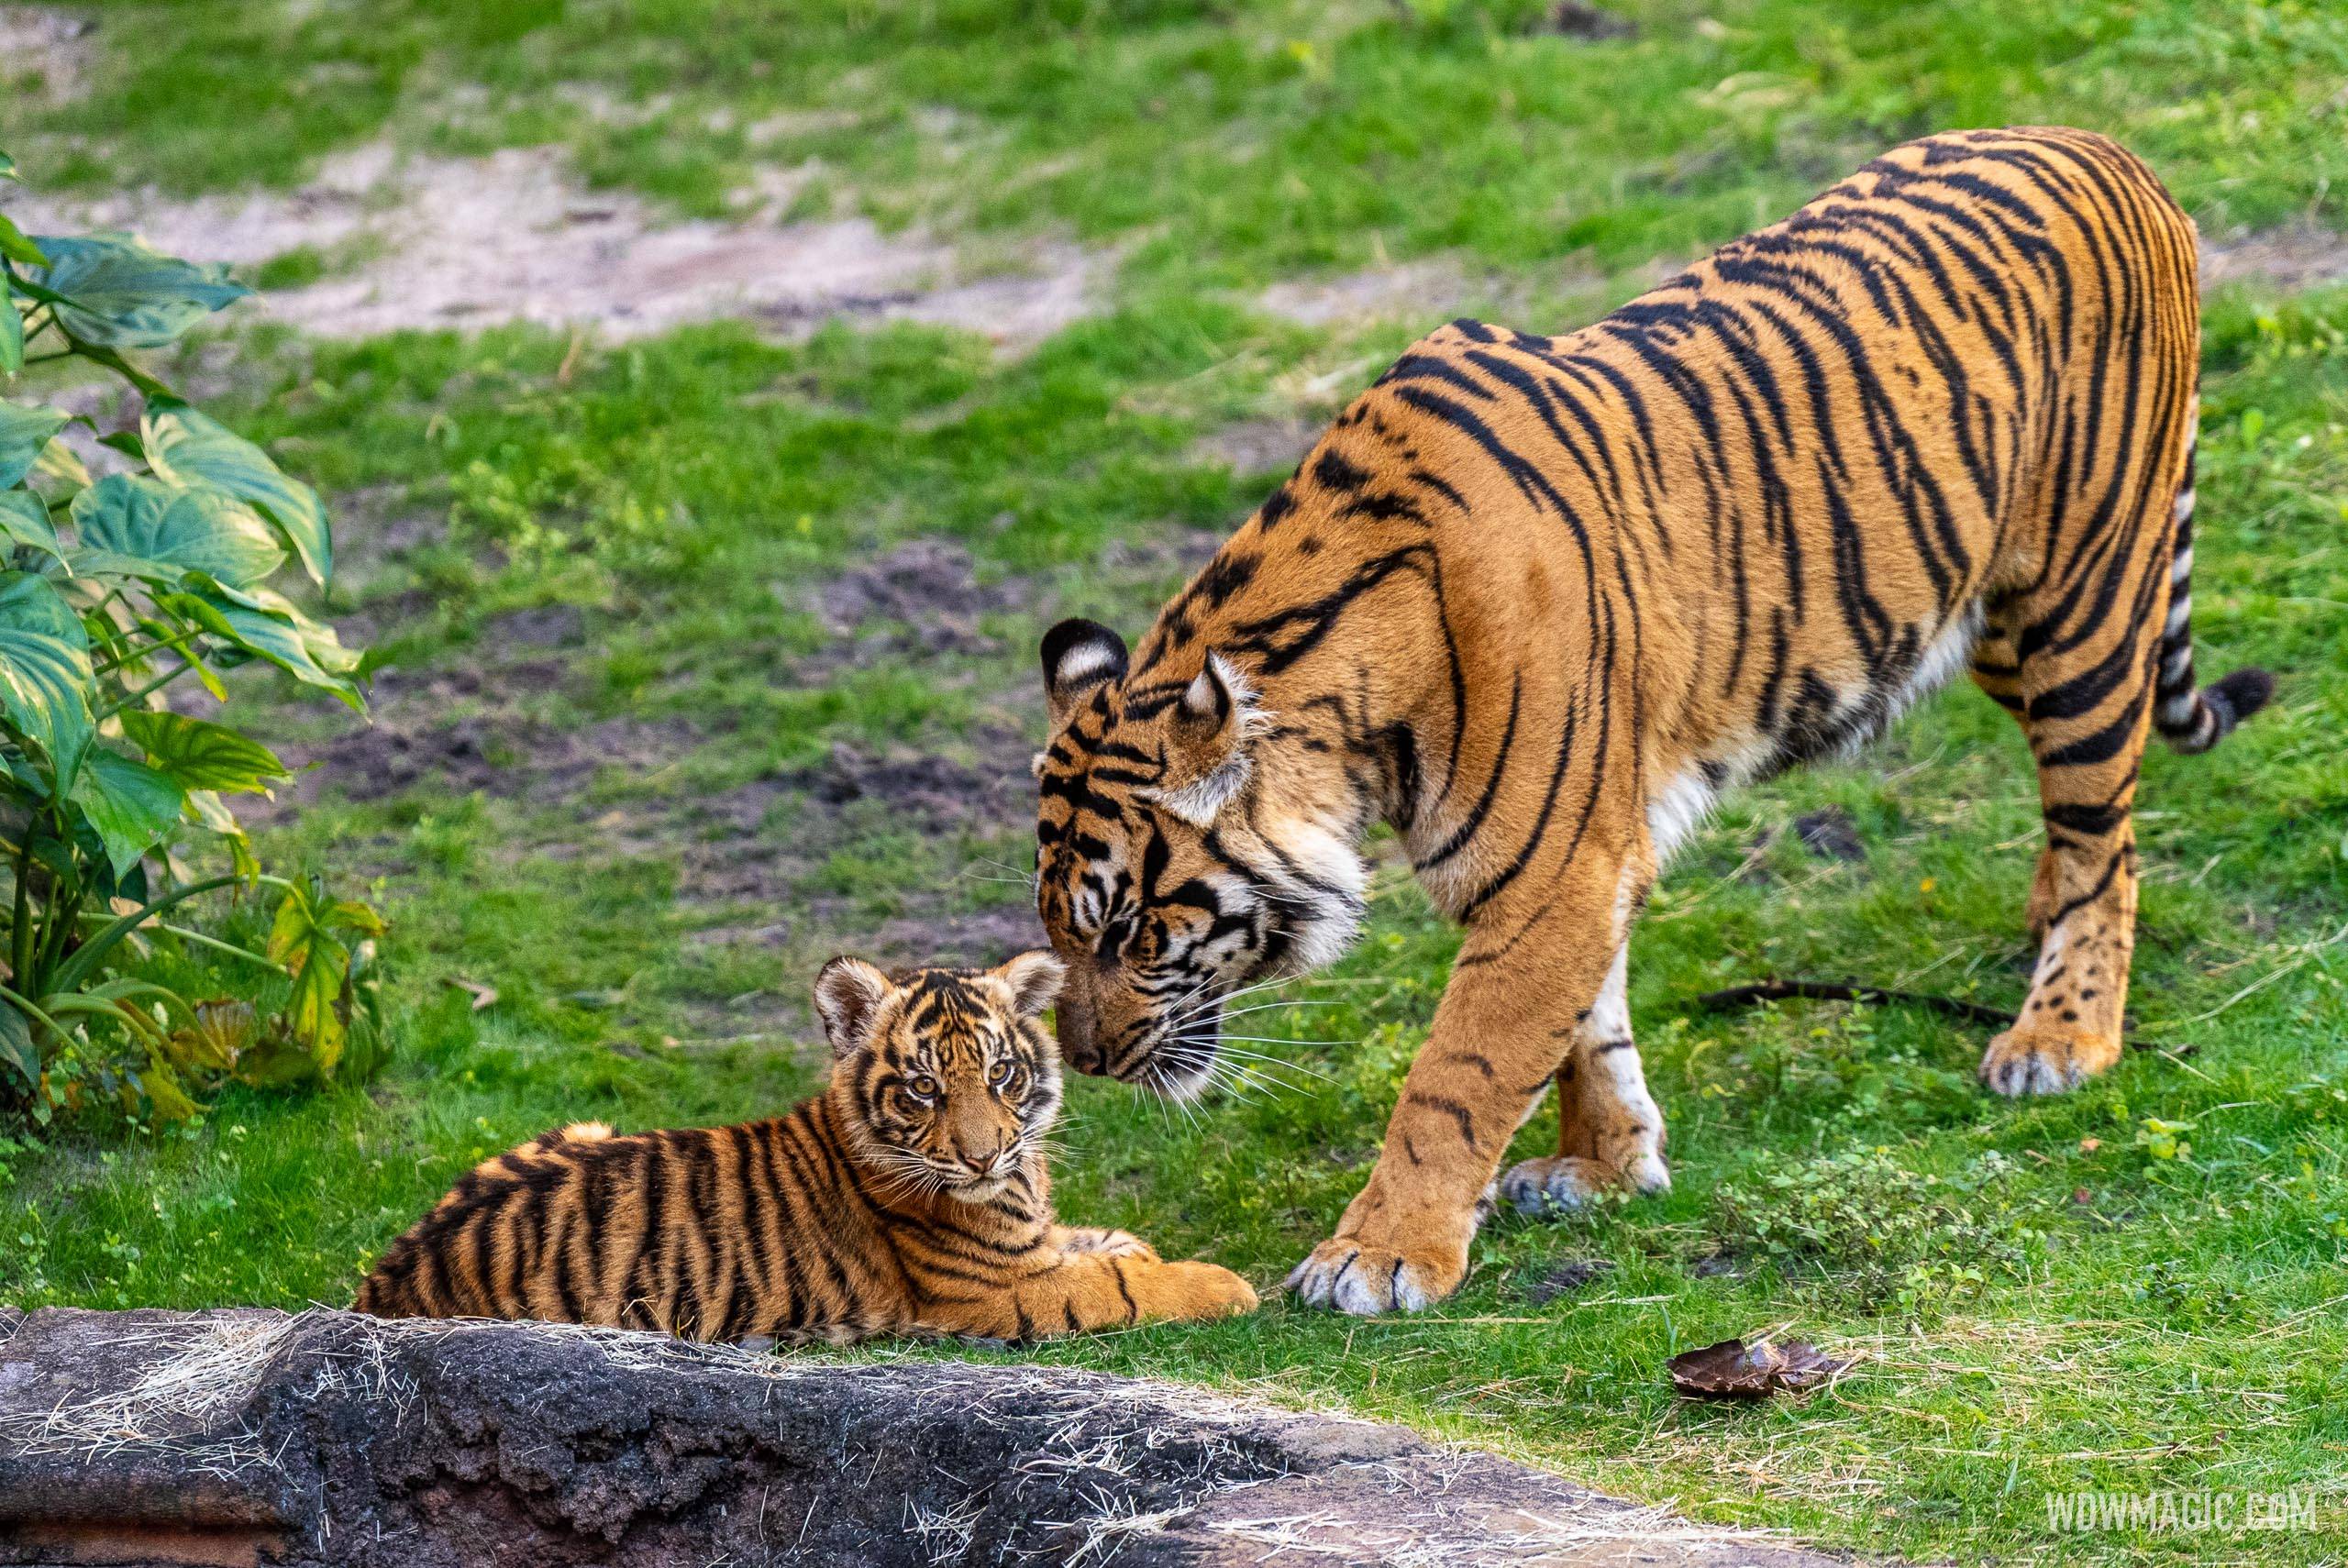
[[944, 1077], [1179, 856]]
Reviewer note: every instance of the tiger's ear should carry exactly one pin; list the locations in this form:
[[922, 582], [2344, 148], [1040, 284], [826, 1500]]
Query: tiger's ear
[[1208, 739], [1080, 658], [848, 994], [1034, 980]]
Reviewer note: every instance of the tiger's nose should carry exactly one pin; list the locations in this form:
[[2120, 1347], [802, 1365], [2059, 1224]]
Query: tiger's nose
[[1079, 1044]]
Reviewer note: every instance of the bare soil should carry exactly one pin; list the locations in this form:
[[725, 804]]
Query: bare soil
[[2298, 257], [433, 242], [44, 53]]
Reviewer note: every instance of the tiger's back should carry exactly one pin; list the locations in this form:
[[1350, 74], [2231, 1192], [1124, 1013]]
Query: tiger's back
[[1537, 600]]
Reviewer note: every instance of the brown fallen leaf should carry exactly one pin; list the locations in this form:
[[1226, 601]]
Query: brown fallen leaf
[[1735, 1370], [483, 996], [2089, 1145]]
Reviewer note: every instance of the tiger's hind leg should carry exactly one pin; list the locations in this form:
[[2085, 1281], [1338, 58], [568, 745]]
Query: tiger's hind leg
[[1609, 1134], [2086, 711]]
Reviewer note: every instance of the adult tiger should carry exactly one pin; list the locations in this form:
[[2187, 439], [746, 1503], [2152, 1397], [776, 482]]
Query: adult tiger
[[1537, 600]]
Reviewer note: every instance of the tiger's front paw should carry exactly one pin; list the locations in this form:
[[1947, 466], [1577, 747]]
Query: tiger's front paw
[[2044, 1061], [1356, 1278], [1561, 1184], [1202, 1291], [1109, 1243]]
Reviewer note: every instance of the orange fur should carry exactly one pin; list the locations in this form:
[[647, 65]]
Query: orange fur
[[913, 1195], [1537, 600]]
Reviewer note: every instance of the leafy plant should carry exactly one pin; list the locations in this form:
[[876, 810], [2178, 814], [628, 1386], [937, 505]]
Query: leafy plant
[[1882, 1234], [113, 587]]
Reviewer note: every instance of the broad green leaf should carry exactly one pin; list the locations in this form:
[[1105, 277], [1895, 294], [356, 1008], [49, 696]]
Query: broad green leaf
[[22, 773], [44, 671], [12, 332], [200, 753], [129, 804], [123, 295], [317, 963], [16, 1047], [25, 520], [61, 465], [206, 810], [178, 530], [192, 450], [322, 641], [23, 433], [304, 649], [349, 914], [17, 248]]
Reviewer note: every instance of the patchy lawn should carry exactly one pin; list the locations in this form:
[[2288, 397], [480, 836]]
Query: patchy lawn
[[710, 652]]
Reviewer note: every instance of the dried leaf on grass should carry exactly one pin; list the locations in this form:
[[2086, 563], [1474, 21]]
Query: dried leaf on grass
[[1735, 1370]]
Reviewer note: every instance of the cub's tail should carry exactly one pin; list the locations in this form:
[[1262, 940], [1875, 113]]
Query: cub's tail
[[2195, 719]]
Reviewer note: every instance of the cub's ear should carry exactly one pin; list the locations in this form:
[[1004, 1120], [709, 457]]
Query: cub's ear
[[848, 994], [1209, 732], [1033, 979], [1079, 657]]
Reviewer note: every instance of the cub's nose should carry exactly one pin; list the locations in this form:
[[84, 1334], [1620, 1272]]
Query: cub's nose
[[992, 1163]]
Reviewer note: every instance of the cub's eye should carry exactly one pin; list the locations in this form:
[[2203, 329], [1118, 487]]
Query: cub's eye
[[924, 1088], [1004, 1076]]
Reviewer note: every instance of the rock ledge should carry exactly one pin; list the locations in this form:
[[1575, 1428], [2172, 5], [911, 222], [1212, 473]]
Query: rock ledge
[[322, 1439]]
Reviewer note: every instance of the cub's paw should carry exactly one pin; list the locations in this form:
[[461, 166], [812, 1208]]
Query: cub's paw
[[1364, 1280], [2044, 1061], [1109, 1243], [1205, 1290]]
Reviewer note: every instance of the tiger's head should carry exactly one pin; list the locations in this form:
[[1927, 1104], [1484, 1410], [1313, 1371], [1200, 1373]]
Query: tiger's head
[[945, 1079], [1181, 855]]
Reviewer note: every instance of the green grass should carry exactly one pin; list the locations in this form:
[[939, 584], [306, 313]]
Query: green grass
[[1230, 140], [648, 879], [2156, 1319]]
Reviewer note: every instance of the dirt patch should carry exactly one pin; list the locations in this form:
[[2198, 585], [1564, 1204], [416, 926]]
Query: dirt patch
[[435, 242], [332, 1440], [44, 55], [922, 789], [1172, 551], [2299, 256], [930, 589], [1563, 1277], [1593, 24], [1830, 833], [1254, 447], [1414, 289], [971, 936], [541, 626], [1430, 290]]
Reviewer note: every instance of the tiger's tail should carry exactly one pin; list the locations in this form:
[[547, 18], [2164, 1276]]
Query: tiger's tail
[[2194, 719]]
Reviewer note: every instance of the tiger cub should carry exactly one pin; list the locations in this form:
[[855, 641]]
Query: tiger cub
[[910, 1197]]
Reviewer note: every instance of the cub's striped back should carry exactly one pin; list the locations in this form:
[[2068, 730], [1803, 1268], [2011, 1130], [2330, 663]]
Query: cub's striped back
[[912, 1195]]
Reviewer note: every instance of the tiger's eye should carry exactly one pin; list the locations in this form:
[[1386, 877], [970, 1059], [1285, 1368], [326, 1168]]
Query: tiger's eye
[[924, 1088]]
